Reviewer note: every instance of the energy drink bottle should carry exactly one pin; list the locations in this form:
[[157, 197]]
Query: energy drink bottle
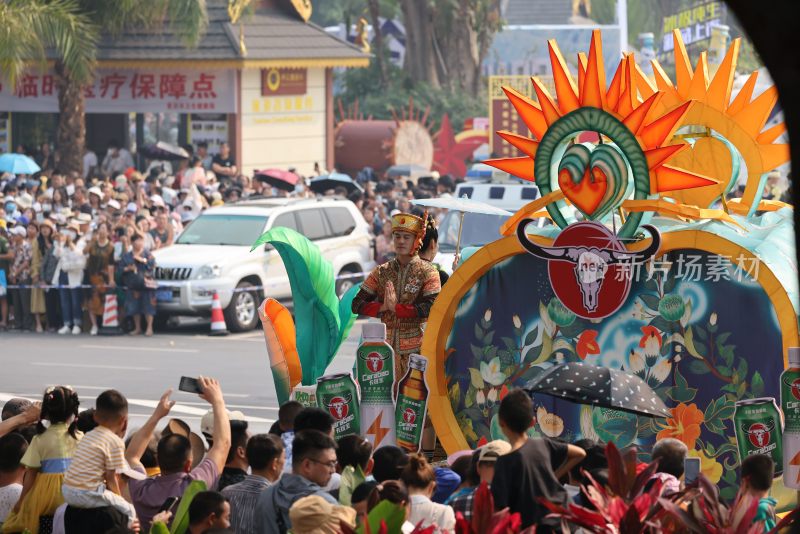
[[757, 423], [338, 394], [412, 404], [790, 405], [375, 376]]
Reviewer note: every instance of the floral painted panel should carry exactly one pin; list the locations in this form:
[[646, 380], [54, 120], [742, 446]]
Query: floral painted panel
[[702, 340]]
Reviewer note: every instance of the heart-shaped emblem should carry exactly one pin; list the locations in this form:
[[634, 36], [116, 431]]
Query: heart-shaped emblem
[[593, 180], [575, 180]]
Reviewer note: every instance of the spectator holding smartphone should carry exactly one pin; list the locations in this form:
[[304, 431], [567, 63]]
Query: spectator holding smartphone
[[175, 455]]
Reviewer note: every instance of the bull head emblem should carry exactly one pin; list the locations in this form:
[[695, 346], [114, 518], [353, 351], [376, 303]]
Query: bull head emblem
[[591, 263], [759, 433], [337, 406]]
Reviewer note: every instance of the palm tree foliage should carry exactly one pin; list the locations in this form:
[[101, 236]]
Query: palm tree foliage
[[68, 31]]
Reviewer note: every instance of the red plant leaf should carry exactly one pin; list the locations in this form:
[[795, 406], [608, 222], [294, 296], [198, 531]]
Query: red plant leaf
[[631, 522], [678, 513], [746, 520], [617, 508], [786, 521], [644, 477], [507, 523], [385, 530], [482, 508], [616, 469], [586, 518], [344, 528], [417, 528], [631, 461], [462, 525]]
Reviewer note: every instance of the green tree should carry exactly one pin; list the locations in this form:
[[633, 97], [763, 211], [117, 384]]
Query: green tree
[[69, 31]]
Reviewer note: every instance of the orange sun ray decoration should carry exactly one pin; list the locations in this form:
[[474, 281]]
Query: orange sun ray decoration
[[732, 130], [640, 129]]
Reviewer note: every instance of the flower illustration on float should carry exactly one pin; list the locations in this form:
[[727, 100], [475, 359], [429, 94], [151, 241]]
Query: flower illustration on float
[[559, 313], [671, 307], [710, 468], [684, 424], [587, 344], [492, 372], [651, 341]]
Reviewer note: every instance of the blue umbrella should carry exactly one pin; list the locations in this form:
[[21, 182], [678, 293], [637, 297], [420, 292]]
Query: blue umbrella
[[320, 184], [18, 164]]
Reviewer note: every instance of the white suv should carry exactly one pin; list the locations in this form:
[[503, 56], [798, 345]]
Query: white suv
[[213, 254]]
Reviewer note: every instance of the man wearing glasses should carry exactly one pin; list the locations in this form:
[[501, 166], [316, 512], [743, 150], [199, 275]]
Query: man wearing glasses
[[313, 463]]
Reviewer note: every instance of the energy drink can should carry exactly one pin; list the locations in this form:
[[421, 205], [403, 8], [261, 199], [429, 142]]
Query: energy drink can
[[338, 394], [759, 429]]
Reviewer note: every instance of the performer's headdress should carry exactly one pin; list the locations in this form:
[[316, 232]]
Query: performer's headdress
[[405, 222]]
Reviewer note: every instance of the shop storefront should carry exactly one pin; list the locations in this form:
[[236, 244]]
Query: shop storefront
[[270, 97]]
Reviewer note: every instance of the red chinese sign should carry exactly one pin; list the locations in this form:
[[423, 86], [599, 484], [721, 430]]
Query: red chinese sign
[[275, 82], [124, 91]]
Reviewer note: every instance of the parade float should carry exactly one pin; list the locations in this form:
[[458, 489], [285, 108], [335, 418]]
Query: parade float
[[706, 321], [648, 265]]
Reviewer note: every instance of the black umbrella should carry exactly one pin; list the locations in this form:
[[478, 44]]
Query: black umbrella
[[164, 151], [601, 386], [320, 184]]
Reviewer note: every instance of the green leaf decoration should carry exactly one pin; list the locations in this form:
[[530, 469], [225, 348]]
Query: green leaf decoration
[[530, 338], [316, 306], [701, 334], [681, 392], [454, 393], [742, 369], [346, 316], [688, 341], [394, 515], [698, 368], [476, 379], [478, 331], [651, 301], [487, 339], [477, 352], [716, 413], [509, 343], [757, 384]]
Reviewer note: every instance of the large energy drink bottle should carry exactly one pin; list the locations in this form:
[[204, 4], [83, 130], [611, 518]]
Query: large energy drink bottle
[[758, 430], [338, 394], [412, 404], [790, 405], [375, 376]]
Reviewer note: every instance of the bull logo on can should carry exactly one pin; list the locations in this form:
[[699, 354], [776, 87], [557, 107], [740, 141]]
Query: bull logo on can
[[339, 406], [589, 267], [759, 433]]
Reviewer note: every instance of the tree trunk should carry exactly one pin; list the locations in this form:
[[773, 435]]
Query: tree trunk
[[420, 61], [375, 13], [71, 137]]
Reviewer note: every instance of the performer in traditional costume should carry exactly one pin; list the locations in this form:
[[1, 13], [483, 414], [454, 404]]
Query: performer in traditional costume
[[401, 291]]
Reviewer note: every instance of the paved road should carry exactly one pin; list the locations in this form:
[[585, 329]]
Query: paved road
[[143, 368]]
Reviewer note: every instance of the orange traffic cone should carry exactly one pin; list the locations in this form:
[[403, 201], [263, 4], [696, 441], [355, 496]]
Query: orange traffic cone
[[110, 325], [218, 326]]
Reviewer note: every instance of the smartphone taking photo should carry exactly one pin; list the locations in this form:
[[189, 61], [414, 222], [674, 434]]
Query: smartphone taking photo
[[190, 385], [691, 470]]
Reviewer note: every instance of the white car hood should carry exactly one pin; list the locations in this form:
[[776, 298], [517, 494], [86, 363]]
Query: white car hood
[[199, 255]]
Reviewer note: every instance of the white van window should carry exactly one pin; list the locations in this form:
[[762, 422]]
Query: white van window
[[341, 221], [312, 225], [496, 193], [465, 192], [285, 219], [530, 193], [223, 229]]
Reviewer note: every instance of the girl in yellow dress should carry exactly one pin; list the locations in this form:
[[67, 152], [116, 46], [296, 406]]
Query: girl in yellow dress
[[46, 461]]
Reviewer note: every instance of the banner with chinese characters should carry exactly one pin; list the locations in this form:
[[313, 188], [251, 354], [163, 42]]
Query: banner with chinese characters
[[130, 91], [501, 113], [695, 23]]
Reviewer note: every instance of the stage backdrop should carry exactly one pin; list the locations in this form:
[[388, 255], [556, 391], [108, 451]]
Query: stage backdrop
[[704, 328]]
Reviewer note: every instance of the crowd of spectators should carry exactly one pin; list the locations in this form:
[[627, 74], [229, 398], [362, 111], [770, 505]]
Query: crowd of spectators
[[67, 240], [63, 470]]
